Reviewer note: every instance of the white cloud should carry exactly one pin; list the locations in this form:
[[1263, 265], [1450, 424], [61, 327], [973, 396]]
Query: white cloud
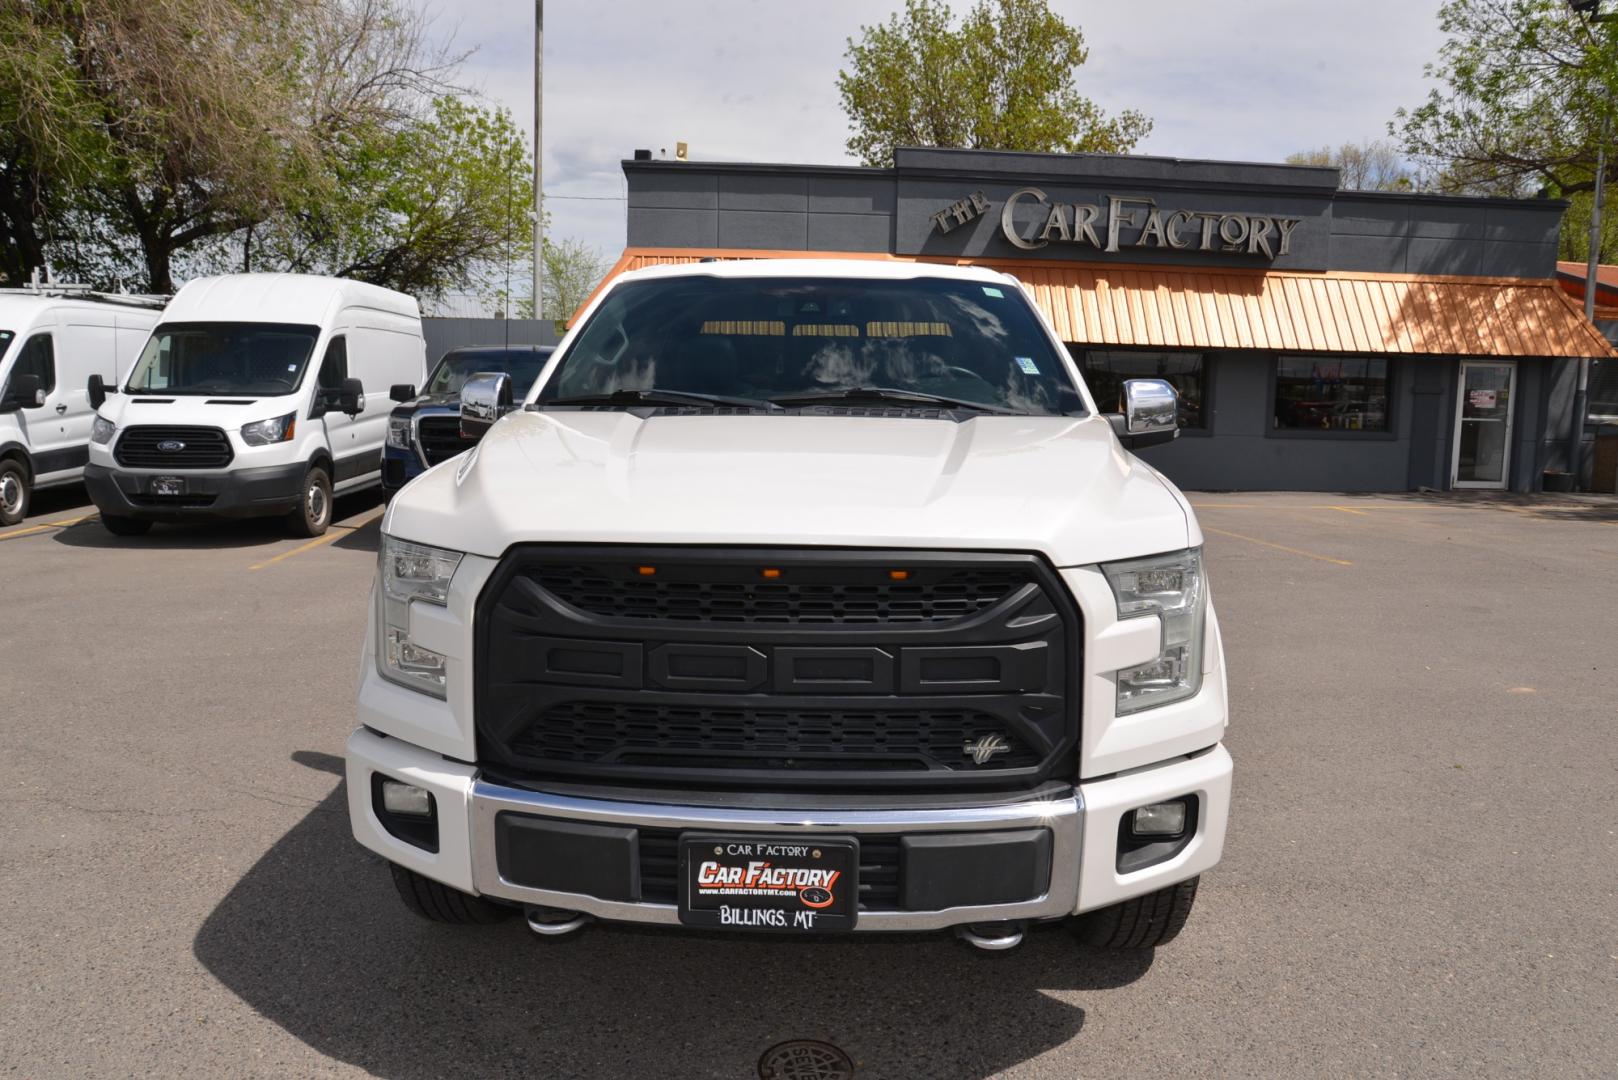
[[756, 79]]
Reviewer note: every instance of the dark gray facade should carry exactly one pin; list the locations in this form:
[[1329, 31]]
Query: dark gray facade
[[1142, 211]]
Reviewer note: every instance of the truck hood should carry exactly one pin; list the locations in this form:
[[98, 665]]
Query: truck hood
[[1057, 485]]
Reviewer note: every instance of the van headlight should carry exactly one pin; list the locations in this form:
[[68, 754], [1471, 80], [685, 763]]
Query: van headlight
[[399, 432], [410, 574], [102, 430], [1172, 587], [274, 430]]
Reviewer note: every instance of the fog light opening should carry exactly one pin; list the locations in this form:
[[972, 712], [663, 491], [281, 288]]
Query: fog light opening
[[406, 812], [1159, 821]]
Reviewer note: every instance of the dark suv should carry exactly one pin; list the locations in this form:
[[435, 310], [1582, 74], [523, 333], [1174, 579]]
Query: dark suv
[[426, 427]]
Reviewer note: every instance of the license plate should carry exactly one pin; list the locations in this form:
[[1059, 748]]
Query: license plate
[[168, 485], [788, 884]]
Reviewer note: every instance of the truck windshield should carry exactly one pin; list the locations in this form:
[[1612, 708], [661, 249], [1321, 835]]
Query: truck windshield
[[798, 342], [5, 341], [223, 358], [523, 365]]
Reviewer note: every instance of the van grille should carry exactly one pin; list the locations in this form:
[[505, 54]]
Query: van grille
[[153, 447]]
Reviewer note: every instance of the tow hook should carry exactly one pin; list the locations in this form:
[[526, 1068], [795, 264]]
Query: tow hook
[[992, 937], [554, 922]]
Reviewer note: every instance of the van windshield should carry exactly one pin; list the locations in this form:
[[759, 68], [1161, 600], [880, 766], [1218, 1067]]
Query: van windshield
[[5, 340], [223, 358], [523, 365], [804, 342]]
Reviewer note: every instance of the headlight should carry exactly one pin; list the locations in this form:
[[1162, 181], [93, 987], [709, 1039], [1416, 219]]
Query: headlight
[[1172, 587], [410, 574], [102, 431], [399, 432], [265, 432]]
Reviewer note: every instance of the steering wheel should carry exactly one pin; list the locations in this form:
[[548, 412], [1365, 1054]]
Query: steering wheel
[[967, 373]]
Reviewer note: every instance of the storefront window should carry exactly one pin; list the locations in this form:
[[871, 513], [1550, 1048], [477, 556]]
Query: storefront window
[[1331, 393], [1106, 370], [1604, 391]]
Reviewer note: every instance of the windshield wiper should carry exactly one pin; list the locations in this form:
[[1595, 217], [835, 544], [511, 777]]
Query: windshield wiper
[[887, 394], [655, 396]]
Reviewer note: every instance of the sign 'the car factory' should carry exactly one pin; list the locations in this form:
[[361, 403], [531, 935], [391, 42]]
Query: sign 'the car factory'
[[1124, 221]]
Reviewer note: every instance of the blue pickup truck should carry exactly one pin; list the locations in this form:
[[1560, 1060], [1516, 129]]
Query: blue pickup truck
[[425, 428]]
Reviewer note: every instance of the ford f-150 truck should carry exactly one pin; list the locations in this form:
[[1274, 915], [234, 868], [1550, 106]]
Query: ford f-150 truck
[[798, 596]]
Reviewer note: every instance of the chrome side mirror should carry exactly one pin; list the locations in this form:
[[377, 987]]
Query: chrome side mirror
[[485, 398], [1151, 414]]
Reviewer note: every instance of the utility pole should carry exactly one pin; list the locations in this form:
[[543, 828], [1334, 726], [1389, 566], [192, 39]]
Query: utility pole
[[1590, 11], [539, 157]]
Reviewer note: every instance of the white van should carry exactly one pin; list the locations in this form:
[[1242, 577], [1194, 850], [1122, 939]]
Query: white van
[[256, 395], [52, 339]]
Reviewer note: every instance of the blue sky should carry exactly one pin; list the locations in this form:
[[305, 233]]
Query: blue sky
[[755, 79]]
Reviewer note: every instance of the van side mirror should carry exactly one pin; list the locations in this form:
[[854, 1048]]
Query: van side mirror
[[401, 392], [1151, 414], [351, 397], [24, 392], [485, 398], [97, 391]]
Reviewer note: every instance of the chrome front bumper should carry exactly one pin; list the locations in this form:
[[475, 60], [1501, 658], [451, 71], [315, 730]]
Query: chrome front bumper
[[1061, 815], [1084, 822]]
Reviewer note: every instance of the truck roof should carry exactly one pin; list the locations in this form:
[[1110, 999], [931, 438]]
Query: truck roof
[[279, 298], [876, 269]]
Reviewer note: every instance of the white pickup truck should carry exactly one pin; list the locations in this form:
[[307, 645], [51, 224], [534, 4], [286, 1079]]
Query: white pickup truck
[[798, 596]]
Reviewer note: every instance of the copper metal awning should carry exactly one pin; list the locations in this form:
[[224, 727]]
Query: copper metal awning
[[1274, 311]]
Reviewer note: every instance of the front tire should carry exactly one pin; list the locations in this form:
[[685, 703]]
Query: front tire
[[15, 492], [439, 903], [125, 526], [1144, 922], [313, 513]]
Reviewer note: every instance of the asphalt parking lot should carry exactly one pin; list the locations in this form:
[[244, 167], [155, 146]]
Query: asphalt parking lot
[[1421, 877]]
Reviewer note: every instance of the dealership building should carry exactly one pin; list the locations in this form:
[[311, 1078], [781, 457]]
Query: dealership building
[[1320, 339]]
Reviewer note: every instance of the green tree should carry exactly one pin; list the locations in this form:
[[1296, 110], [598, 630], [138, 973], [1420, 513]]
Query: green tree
[[425, 205], [1004, 79], [1373, 165], [1526, 90], [572, 271]]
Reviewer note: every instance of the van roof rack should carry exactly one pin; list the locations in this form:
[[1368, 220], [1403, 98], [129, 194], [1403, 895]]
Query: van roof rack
[[43, 286]]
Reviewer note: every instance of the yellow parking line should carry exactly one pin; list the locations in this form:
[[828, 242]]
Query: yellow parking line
[[1279, 547], [334, 532], [46, 527], [1346, 510]]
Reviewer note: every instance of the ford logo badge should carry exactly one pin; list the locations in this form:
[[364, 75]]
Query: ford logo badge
[[171, 446]]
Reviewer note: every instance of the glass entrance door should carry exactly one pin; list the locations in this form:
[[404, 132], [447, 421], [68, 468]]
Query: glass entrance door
[[1483, 425]]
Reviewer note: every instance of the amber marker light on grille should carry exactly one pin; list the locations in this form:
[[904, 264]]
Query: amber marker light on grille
[[899, 575], [770, 572], [645, 571]]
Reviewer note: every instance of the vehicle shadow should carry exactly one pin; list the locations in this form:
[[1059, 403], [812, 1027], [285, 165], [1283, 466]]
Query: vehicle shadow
[[190, 536], [314, 939]]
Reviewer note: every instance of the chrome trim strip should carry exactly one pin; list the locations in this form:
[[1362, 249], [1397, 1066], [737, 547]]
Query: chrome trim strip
[[415, 438], [1063, 816]]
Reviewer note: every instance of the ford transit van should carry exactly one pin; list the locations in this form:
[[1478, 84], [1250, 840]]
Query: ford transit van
[[52, 340], [256, 395]]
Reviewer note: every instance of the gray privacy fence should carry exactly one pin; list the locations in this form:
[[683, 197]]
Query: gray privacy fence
[[445, 334]]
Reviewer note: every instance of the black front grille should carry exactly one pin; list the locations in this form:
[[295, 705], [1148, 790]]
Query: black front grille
[[441, 438], [660, 869], [169, 447], [770, 669], [864, 594], [773, 738]]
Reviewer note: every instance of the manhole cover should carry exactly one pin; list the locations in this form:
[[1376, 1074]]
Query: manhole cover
[[804, 1059]]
